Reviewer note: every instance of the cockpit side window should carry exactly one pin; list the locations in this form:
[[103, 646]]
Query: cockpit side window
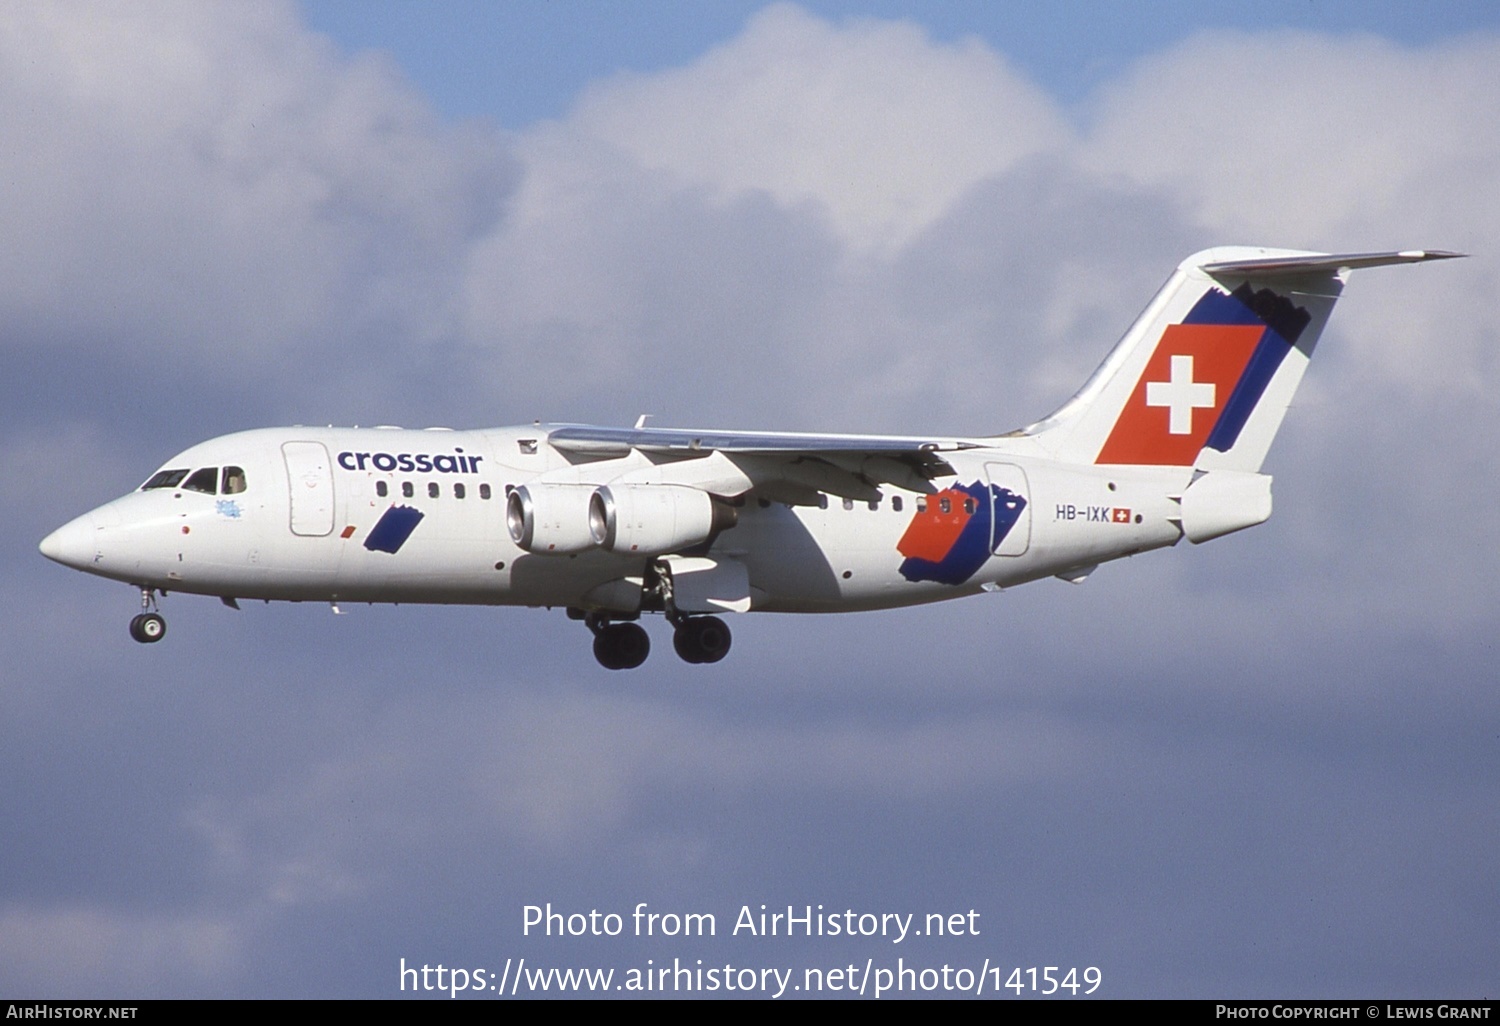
[[234, 481], [165, 479], [203, 480]]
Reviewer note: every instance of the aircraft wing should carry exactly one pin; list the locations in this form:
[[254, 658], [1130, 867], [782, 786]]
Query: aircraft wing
[[610, 441], [788, 465]]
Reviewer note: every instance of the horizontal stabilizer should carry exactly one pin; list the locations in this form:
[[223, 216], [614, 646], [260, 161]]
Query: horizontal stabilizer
[[1331, 263]]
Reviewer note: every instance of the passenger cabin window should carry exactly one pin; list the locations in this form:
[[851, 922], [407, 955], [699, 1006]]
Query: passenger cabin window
[[205, 481], [381, 489], [458, 490], [164, 479], [234, 481], [484, 491], [896, 503], [432, 489], [406, 489]]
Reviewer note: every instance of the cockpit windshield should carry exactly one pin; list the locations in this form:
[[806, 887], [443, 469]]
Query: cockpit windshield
[[164, 479], [204, 481], [208, 480]]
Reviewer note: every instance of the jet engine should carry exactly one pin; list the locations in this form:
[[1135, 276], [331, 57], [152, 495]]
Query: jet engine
[[652, 519], [550, 519]]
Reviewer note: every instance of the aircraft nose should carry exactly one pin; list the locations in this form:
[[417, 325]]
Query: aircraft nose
[[72, 544]]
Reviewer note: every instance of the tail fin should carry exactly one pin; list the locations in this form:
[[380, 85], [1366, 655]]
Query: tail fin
[[1205, 375]]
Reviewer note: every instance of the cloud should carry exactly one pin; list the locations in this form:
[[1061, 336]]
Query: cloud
[[1308, 137], [871, 123], [205, 191], [89, 953]]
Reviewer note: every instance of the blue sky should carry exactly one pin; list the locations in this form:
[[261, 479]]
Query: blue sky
[[521, 61], [1259, 767]]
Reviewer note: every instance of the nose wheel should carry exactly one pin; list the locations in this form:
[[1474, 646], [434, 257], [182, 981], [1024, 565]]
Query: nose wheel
[[148, 625]]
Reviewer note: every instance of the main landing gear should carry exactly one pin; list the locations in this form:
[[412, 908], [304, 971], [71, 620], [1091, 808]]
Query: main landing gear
[[701, 639], [618, 646], [149, 626], [624, 646]]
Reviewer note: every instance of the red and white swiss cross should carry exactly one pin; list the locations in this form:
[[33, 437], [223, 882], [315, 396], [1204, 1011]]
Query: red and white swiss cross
[[1181, 394]]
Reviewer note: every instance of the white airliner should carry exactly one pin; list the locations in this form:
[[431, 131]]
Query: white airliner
[[1164, 441]]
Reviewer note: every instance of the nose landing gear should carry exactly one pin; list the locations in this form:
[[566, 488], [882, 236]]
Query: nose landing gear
[[149, 626]]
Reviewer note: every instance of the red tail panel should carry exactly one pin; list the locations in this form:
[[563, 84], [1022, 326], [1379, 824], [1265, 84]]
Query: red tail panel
[[1181, 394]]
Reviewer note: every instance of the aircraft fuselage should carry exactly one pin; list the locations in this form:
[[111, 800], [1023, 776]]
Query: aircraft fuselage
[[315, 499]]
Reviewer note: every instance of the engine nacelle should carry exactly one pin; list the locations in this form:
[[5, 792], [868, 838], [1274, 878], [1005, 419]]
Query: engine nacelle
[[550, 519], [652, 519]]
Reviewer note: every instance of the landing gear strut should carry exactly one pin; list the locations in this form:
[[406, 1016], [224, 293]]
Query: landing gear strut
[[618, 646], [149, 626], [697, 639]]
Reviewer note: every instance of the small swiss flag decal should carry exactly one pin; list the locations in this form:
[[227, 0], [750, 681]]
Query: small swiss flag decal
[[1181, 394]]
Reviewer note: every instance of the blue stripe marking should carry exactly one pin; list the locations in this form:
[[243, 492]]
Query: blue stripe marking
[[974, 545], [393, 528], [1008, 507], [1263, 365], [1284, 323], [1218, 307]]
